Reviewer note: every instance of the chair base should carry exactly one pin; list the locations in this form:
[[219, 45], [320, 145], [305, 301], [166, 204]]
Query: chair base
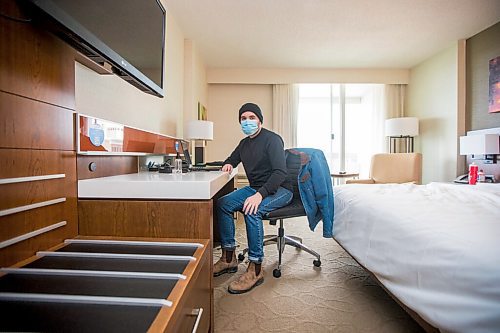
[[281, 240]]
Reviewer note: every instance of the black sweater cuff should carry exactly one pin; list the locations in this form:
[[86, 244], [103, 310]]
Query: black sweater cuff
[[263, 192]]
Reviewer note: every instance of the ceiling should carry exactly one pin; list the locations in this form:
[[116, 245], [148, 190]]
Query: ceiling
[[328, 33]]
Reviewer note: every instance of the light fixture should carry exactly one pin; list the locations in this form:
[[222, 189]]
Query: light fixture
[[481, 144], [404, 128], [199, 131]]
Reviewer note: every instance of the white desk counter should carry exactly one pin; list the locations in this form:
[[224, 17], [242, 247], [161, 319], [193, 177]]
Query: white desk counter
[[200, 185]]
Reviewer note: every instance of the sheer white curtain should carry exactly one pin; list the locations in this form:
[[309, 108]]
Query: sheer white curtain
[[377, 140], [285, 112]]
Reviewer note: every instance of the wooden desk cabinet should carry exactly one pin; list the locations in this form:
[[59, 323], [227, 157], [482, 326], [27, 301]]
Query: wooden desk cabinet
[[146, 218], [192, 219]]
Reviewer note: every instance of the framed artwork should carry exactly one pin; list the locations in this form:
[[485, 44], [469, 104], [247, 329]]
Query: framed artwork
[[202, 112], [494, 91]]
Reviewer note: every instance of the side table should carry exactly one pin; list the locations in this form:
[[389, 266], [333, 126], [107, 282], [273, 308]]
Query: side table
[[340, 178]]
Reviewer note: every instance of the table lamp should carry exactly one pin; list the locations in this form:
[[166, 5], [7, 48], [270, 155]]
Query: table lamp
[[199, 131], [404, 128], [486, 145]]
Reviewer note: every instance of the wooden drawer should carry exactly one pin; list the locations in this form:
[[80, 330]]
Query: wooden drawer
[[17, 224], [193, 294], [111, 273], [35, 125], [25, 249], [37, 201], [32, 176], [197, 298]]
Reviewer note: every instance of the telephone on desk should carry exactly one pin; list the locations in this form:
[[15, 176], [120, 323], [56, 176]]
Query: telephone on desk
[[464, 179]]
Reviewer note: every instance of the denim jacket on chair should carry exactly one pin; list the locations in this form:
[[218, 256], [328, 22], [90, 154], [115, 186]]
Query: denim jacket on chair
[[315, 188]]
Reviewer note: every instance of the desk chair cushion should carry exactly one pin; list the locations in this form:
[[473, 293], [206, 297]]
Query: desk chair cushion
[[293, 209]]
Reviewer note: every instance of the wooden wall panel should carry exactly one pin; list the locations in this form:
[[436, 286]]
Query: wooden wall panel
[[31, 124], [34, 63], [177, 219], [106, 166], [27, 162], [37, 99]]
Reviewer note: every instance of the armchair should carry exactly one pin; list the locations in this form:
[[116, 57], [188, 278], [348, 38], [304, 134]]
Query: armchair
[[393, 168]]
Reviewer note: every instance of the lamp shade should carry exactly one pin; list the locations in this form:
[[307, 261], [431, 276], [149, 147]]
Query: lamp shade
[[404, 126], [480, 144], [200, 130]]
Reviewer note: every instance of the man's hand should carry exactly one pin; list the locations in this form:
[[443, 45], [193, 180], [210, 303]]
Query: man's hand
[[252, 204], [227, 168]]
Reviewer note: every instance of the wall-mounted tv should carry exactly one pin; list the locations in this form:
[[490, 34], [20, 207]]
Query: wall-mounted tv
[[129, 35]]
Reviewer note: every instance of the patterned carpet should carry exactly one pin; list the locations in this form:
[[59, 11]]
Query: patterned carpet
[[339, 296]]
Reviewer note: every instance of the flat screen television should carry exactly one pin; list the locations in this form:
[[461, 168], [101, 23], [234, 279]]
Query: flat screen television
[[129, 35]]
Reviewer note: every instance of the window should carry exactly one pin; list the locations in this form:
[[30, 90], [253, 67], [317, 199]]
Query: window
[[343, 120]]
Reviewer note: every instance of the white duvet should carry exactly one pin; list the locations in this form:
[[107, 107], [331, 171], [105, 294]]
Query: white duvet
[[436, 247]]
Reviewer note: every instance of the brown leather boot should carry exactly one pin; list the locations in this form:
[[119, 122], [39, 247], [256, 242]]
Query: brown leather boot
[[247, 281], [222, 266]]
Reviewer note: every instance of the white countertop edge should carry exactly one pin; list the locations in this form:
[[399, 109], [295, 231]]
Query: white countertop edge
[[147, 185]]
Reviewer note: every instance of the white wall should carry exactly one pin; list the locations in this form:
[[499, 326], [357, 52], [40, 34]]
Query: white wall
[[433, 98], [228, 89], [195, 81], [111, 98], [224, 102]]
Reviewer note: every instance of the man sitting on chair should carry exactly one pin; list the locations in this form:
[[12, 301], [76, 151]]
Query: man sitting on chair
[[263, 158]]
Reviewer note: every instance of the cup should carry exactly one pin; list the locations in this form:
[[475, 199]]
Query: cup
[[177, 166]]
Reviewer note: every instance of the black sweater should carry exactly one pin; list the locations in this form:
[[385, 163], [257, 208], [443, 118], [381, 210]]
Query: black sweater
[[263, 158]]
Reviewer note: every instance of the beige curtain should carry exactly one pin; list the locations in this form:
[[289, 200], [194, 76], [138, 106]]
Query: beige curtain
[[394, 106], [285, 112], [395, 100]]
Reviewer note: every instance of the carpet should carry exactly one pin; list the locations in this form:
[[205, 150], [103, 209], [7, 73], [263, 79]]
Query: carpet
[[339, 296]]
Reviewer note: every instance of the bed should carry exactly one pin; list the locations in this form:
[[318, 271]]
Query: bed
[[435, 248]]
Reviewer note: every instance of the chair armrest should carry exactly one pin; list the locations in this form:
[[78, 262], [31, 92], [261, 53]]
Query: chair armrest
[[360, 181]]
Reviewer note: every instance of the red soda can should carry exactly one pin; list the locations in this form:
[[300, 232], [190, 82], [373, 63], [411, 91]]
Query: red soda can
[[473, 169]]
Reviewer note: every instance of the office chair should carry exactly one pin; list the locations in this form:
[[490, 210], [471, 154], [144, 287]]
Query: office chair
[[393, 168], [293, 209]]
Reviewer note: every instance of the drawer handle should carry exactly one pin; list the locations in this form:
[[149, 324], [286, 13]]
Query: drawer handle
[[197, 313], [19, 209], [30, 179], [31, 234]]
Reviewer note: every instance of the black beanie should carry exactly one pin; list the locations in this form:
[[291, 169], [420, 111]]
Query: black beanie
[[252, 108]]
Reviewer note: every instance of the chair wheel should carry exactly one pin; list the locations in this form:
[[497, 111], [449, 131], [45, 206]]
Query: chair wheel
[[317, 263], [276, 273], [241, 257]]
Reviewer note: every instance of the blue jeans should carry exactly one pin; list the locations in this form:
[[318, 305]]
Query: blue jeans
[[233, 202]]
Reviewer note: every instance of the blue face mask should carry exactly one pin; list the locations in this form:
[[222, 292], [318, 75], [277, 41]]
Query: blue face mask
[[249, 127]]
